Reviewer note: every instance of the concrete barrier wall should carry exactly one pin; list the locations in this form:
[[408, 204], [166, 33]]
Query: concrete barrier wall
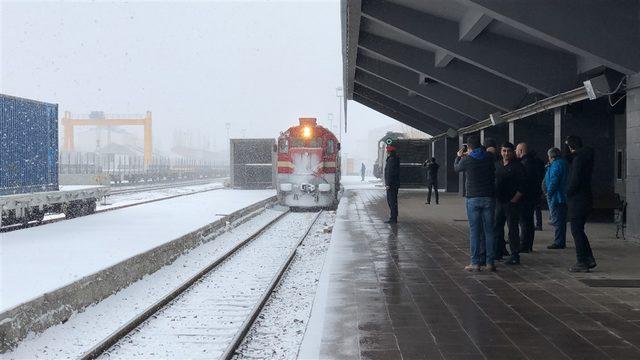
[[57, 306]]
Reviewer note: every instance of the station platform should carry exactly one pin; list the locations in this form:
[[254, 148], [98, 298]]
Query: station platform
[[400, 292], [41, 259]]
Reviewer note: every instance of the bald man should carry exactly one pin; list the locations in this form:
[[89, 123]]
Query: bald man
[[532, 194]]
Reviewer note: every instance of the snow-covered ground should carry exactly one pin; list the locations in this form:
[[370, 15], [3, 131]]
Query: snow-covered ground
[[85, 329], [201, 323], [278, 331], [355, 182], [40, 259], [119, 200]]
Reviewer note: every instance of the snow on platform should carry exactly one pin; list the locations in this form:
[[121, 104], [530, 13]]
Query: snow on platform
[[41, 259]]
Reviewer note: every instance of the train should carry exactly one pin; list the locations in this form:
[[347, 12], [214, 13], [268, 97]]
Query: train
[[29, 186], [308, 166]]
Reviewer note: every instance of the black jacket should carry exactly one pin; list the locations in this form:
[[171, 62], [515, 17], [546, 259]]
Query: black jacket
[[534, 172], [579, 196], [432, 173], [510, 179], [480, 169], [392, 171]]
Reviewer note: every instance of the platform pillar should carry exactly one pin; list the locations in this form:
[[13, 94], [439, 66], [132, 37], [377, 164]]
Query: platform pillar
[[633, 156]]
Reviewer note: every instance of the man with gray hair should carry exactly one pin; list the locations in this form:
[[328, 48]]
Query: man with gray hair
[[555, 186]]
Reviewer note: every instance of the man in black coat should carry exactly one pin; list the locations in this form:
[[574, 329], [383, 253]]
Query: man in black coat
[[432, 179], [392, 182], [580, 201], [510, 190], [532, 195]]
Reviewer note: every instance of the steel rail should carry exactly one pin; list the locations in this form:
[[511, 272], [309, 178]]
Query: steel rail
[[246, 326], [132, 324]]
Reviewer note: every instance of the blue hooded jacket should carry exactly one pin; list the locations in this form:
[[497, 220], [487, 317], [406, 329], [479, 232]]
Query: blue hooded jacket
[[555, 181]]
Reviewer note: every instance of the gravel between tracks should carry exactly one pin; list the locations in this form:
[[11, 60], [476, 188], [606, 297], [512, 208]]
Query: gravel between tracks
[[280, 327]]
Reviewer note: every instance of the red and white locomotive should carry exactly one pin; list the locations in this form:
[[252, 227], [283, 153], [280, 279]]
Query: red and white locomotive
[[308, 166]]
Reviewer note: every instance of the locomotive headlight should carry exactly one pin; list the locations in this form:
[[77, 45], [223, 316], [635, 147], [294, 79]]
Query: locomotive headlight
[[306, 132]]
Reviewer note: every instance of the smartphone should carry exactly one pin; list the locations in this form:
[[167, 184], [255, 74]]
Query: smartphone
[[465, 148]]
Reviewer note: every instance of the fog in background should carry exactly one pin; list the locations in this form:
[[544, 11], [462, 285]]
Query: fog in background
[[257, 65]]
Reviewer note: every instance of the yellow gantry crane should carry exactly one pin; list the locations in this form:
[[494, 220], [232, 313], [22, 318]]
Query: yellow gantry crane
[[69, 123]]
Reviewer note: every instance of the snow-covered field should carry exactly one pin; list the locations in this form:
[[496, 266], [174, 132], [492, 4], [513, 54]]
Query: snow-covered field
[[278, 331], [119, 200], [40, 259], [85, 329]]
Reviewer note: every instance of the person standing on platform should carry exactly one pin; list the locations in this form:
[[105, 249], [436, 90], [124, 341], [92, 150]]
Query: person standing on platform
[[392, 182], [363, 169], [533, 179], [555, 184], [480, 182], [580, 201], [510, 190], [432, 179]]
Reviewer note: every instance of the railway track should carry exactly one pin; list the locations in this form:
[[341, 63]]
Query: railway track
[[142, 188], [118, 192], [210, 313]]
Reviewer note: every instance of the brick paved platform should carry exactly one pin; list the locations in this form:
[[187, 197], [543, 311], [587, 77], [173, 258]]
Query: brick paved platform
[[392, 292]]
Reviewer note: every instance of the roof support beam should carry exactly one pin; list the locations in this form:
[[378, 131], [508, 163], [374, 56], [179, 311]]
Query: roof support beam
[[472, 24], [459, 75], [394, 114], [434, 126], [605, 30], [542, 70], [435, 92], [444, 115], [443, 58]]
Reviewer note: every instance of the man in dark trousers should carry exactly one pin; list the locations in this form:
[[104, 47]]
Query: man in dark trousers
[[580, 201], [510, 188], [432, 179], [532, 193], [363, 169], [392, 182], [480, 182]]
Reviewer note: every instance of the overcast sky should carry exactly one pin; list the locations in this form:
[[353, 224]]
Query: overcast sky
[[258, 65]]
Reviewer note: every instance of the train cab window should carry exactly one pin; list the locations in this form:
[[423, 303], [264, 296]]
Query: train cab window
[[283, 145], [330, 147]]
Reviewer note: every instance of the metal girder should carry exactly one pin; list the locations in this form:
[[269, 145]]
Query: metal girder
[[459, 75], [394, 114], [443, 58], [436, 92], [435, 126], [472, 24], [605, 30], [350, 19], [544, 70], [444, 115]]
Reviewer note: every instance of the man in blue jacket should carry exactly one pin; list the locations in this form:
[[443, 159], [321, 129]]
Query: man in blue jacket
[[480, 185], [555, 183]]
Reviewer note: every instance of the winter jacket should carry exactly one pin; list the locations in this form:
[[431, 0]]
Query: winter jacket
[[534, 171], [392, 171], [480, 173], [555, 182], [510, 179], [579, 196], [432, 173]]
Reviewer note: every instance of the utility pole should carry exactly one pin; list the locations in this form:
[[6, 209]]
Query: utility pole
[[340, 94], [330, 118]]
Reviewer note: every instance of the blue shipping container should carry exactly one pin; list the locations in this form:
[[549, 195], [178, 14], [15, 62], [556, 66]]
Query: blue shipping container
[[28, 146]]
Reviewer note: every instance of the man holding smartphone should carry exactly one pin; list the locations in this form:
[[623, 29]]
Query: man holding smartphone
[[480, 184]]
